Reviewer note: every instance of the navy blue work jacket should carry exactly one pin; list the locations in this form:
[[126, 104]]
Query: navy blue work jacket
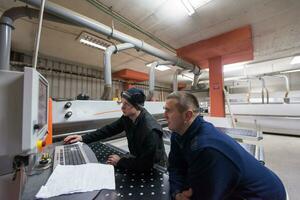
[[216, 167]]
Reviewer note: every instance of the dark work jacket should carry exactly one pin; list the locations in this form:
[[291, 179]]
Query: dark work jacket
[[144, 138], [216, 167]]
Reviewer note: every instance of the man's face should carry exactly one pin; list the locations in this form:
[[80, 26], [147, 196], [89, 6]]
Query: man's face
[[174, 118], [127, 108]]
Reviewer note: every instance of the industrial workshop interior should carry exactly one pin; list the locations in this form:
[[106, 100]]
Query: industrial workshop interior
[[150, 99]]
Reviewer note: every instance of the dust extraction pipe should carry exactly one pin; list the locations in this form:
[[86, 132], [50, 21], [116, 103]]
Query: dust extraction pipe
[[287, 85], [107, 67], [6, 25], [94, 25], [152, 76], [151, 81], [263, 89], [175, 81]]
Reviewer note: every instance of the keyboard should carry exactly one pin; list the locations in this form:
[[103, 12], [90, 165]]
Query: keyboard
[[72, 154]]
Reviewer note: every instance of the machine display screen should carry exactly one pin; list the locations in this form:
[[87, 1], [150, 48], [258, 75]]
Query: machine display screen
[[43, 103]]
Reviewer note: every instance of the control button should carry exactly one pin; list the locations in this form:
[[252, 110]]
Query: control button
[[68, 105], [68, 114], [36, 126]]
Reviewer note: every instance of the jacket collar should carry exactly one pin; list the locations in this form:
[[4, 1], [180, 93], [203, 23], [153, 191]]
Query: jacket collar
[[190, 132], [142, 113]]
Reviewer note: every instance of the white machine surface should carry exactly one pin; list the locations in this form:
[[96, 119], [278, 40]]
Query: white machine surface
[[86, 110], [274, 118], [81, 115]]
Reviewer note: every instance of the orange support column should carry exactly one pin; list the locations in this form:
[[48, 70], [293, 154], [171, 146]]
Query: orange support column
[[217, 106]]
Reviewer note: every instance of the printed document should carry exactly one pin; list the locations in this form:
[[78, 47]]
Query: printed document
[[67, 179]]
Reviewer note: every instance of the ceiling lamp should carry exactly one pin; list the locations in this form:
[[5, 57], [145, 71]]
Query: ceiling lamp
[[93, 41], [159, 67], [188, 7], [234, 67], [191, 5], [295, 60], [198, 3], [290, 71]]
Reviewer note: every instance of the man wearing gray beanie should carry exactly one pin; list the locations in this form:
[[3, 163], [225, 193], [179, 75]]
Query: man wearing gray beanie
[[144, 134]]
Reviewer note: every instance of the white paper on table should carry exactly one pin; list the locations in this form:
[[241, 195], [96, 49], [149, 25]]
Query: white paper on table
[[66, 179]]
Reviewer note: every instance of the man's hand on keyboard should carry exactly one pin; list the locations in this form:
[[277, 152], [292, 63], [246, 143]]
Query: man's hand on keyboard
[[72, 138], [113, 159]]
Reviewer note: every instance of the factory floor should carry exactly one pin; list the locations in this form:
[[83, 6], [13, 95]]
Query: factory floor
[[282, 155]]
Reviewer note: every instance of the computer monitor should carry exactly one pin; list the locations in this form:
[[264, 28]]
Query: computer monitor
[[23, 111]]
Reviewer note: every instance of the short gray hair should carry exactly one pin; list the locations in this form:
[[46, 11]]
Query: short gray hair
[[185, 100]]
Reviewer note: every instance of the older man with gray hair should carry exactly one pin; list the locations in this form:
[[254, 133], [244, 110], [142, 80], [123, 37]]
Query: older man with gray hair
[[207, 164]]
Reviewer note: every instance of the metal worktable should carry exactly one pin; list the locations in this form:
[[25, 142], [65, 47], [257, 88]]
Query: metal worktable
[[129, 185]]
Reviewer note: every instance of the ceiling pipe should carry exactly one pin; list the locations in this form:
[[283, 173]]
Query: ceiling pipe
[[175, 81], [151, 81], [249, 91], [5, 41], [229, 107], [196, 79], [287, 84], [94, 25], [107, 67], [152, 76], [6, 26], [263, 90]]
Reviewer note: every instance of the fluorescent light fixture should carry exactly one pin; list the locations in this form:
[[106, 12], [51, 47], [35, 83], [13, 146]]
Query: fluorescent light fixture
[[234, 67], [234, 78], [295, 60], [290, 71], [188, 76], [93, 41], [188, 6], [198, 3], [84, 41], [162, 67], [159, 67]]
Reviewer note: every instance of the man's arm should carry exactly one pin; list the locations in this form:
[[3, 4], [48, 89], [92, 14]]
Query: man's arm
[[145, 160], [104, 132], [177, 169], [212, 175]]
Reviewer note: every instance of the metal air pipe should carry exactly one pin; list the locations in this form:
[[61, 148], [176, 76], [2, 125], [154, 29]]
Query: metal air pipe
[[263, 90], [151, 81], [175, 81], [152, 76], [287, 85], [107, 67], [94, 25], [6, 26]]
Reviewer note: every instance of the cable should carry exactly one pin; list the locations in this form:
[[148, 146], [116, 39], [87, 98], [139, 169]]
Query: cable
[[95, 197]]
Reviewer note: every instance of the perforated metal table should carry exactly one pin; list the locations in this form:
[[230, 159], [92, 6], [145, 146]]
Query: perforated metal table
[[129, 185]]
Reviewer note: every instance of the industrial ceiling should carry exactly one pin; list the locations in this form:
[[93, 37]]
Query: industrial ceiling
[[166, 25]]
